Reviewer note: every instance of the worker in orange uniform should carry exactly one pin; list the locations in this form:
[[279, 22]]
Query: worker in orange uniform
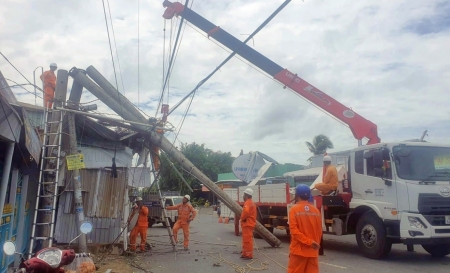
[[305, 225], [330, 179], [49, 80], [141, 226], [248, 223], [186, 213]]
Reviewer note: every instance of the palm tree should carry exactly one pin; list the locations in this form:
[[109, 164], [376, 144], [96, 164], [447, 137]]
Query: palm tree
[[319, 145]]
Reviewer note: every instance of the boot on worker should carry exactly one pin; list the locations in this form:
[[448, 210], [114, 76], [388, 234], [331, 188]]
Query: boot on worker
[[186, 213], [248, 223], [330, 178]]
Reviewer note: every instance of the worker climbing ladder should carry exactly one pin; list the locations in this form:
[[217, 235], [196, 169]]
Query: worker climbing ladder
[[45, 209]]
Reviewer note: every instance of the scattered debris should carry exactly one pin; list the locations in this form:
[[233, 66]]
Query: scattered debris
[[217, 264]]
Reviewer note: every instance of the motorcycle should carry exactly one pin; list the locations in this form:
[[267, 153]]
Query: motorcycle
[[50, 259]]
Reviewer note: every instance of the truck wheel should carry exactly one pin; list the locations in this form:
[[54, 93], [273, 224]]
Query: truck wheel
[[171, 223], [437, 250], [371, 236], [288, 232], [150, 222]]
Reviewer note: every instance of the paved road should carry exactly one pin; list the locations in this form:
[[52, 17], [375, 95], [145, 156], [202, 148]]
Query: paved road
[[215, 248]]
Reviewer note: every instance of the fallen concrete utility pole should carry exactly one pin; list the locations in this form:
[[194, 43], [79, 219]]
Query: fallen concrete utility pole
[[114, 120], [107, 86], [176, 155], [97, 91], [107, 96]]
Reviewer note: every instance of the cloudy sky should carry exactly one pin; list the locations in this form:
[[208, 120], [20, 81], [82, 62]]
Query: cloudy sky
[[387, 60]]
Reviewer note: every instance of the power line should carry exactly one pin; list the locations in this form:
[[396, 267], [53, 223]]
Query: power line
[[110, 46], [232, 54], [16, 69], [171, 58], [138, 55], [115, 45]]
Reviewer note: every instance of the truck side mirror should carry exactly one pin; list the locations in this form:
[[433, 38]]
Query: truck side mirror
[[377, 159]]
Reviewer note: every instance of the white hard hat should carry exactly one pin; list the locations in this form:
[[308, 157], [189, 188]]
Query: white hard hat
[[138, 199], [187, 197], [53, 64], [327, 158], [249, 191]]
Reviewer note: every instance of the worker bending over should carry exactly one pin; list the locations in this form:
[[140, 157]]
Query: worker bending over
[[184, 218], [305, 225], [141, 225], [248, 223], [330, 179], [49, 81]]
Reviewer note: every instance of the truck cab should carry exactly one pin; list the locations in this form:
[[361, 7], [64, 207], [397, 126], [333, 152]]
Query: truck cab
[[394, 193], [155, 213]]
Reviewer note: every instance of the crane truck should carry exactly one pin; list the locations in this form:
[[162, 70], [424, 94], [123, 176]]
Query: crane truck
[[391, 192]]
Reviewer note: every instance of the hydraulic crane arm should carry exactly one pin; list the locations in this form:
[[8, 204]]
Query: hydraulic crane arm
[[360, 127]]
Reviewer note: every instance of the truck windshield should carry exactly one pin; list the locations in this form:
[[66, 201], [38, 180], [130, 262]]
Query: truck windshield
[[422, 163], [177, 200]]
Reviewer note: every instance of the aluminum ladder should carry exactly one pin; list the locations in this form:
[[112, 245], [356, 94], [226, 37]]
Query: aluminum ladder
[[164, 214], [47, 191]]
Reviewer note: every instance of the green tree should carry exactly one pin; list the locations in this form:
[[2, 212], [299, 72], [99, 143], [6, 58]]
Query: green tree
[[319, 145], [211, 163]]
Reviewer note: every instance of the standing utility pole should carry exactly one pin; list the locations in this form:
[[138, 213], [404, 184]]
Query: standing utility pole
[[74, 101]]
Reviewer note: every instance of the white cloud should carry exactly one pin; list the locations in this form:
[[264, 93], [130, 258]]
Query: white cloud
[[388, 60]]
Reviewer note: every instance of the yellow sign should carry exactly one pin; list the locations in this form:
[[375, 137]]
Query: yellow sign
[[75, 162], [442, 162]]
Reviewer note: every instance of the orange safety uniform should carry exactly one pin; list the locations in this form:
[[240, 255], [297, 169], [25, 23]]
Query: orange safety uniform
[[330, 181], [49, 80], [305, 225], [140, 229], [184, 215], [248, 223]]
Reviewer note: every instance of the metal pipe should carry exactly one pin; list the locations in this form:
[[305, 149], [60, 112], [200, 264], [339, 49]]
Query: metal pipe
[[171, 151], [34, 83], [112, 91]]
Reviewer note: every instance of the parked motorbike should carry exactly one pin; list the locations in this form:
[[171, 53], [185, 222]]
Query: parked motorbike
[[50, 259]]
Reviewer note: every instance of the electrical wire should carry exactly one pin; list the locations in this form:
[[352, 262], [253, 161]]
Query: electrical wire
[[266, 75], [171, 59], [16, 68], [115, 45], [138, 66]]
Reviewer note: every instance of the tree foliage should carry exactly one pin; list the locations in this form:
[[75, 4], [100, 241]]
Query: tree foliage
[[319, 145], [211, 163]]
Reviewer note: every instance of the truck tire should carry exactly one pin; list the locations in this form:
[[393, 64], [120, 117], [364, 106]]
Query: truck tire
[[150, 222], [371, 236], [437, 250]]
